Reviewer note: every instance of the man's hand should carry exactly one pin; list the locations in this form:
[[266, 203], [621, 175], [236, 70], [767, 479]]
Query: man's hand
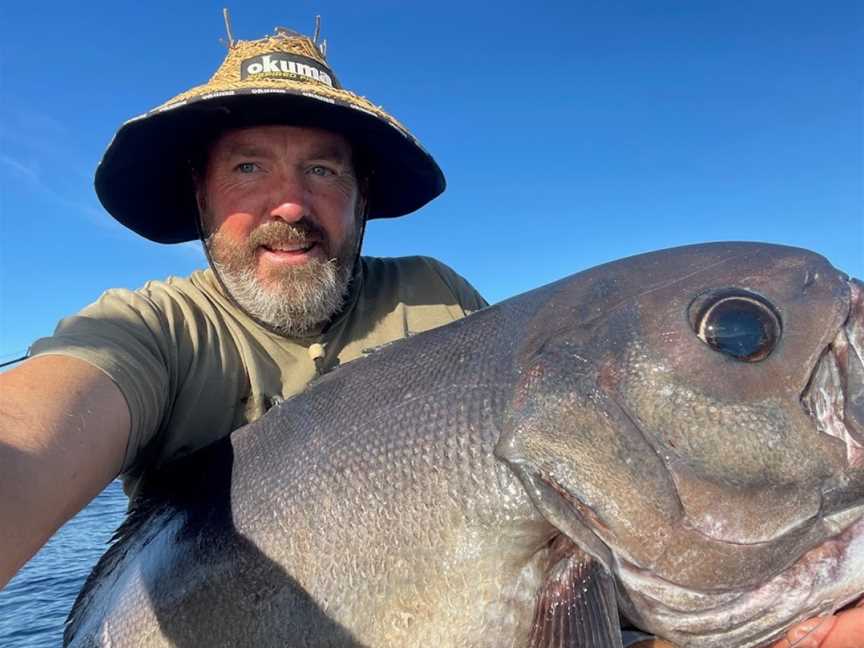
[[64, 426], [845, 630]]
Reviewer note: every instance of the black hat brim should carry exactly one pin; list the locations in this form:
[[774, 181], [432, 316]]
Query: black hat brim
[[145, 181]]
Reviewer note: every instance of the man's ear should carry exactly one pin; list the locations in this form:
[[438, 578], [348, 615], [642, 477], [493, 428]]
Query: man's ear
[[362, 210], [196, 175], [201, 203], [200, 198], [197, 179]]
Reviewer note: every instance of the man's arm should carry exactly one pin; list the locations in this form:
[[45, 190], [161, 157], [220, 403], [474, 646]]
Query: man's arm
[[64, 426]]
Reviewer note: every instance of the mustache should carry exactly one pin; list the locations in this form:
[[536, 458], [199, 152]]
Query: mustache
[[278, 232]]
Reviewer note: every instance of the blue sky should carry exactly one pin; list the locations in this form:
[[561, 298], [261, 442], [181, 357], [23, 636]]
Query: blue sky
[[571, 133]]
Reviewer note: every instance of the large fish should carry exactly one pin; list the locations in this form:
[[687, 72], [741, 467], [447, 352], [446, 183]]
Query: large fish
[[676, 438]]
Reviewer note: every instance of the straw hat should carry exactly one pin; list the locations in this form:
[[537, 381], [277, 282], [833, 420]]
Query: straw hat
[[144, 178]]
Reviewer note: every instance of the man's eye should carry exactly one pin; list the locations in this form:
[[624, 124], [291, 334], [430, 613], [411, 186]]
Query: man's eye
[[246, 167], [321, 170]]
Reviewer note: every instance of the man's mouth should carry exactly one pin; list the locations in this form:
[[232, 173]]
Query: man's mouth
[[280, 243], [296, 247], [294, 253]]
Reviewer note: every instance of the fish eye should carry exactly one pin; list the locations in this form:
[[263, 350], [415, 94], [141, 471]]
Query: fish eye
[[740, 325]]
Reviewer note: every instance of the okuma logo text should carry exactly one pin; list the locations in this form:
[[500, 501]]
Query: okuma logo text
[[277, 64]]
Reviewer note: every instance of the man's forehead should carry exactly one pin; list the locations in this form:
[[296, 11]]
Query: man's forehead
[[316, 141]]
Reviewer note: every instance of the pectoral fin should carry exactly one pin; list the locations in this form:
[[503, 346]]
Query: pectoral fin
[[576, 605]]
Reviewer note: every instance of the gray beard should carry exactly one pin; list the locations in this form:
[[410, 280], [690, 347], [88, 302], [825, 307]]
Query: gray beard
[[299, 304], [296, 301]]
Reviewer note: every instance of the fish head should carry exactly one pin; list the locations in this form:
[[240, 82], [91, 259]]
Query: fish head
[[694, 419]]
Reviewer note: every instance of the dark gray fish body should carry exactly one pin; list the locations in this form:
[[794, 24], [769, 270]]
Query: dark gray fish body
[[622, 433]]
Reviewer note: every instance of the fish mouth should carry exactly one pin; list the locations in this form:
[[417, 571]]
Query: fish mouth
[[856, 603], [834, 397], [823, 580]]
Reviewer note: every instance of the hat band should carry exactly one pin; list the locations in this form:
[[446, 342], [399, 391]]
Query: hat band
[[280, 65]]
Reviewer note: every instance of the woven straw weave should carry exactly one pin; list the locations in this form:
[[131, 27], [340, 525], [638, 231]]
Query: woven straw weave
[[227, 77], [242, 50]]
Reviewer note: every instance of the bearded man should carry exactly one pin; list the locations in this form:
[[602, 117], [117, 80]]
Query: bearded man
[[276, 168]]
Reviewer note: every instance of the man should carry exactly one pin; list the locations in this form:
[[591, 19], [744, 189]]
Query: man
[[276, 168]]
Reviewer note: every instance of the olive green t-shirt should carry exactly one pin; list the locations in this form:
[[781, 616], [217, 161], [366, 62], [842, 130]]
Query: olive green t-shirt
[[193, 367]]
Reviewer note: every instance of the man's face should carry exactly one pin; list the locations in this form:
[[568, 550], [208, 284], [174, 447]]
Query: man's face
[[281, 211]]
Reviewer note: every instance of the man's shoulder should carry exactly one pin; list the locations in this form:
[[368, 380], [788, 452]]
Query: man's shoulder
[[417, 268], [423, 277], [196, 284], [198, 290], [414, 263], [164, 308]]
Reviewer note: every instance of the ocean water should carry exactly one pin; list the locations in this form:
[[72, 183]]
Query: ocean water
[[34, 605]]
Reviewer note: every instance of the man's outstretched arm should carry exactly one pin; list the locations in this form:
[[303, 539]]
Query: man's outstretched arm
[[64, 426]]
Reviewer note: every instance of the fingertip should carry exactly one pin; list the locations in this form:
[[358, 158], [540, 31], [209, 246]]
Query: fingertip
[[808, 634]]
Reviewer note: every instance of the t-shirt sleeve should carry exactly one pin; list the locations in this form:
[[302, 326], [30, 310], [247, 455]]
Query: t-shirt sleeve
[[131, 338], [467, 296]]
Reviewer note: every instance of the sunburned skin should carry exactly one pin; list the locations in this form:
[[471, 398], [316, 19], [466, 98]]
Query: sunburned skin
[[281, 173], [282, 212]]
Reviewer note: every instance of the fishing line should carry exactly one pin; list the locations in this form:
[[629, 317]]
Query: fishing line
[[11, 362]]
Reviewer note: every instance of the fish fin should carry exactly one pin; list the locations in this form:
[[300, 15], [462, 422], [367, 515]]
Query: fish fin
[[576, 605], [195, 476], [104, 573]]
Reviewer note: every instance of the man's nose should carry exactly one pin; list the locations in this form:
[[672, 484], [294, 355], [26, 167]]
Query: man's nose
[[290, 199]]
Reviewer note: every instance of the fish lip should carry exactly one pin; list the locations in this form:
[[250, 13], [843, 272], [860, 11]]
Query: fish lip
[[801, 590], [855, 603], [834, 395]]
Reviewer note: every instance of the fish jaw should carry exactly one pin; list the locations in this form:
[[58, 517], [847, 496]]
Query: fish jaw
[[755, 471], [823, 580], [834, 398]]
